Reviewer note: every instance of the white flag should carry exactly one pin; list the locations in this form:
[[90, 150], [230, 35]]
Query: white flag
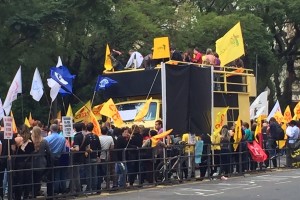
[[55, 87], [59, 62], [12, 94], [37, 89], [258, 103], [260, 111], [274, 110], [1, 110]]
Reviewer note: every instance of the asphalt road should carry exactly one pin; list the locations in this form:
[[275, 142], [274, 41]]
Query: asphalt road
[[275, 185]]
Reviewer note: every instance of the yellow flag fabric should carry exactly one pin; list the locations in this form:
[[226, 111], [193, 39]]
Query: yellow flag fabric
[[58, 116], [26, 122], [278, 116], [107, 62], [231, 45], [297, 111], [83, 114], [258, 127], [155, 139], [287, 116], [69, 111], [237, 133], [97, 129], [161, 48], [30, 119], [96, 110], [143, 112], [110, 110], [219, 121], [14, 126]]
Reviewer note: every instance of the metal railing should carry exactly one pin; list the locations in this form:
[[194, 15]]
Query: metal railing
[[124, 169]]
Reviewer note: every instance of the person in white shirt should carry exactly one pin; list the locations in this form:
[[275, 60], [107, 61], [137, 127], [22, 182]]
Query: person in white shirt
[[135, 60], [292, 132], [107, 143]]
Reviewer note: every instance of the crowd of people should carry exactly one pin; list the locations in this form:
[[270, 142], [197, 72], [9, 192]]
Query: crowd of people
[[121, 156], [138, 61]]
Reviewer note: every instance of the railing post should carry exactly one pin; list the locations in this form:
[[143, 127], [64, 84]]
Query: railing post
[[9, 175], [209, 160]]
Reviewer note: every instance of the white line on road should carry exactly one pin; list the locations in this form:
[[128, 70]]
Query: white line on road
[[252, 187], [283, 182]]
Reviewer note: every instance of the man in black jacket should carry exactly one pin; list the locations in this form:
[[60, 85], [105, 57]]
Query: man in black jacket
[[92, 156]]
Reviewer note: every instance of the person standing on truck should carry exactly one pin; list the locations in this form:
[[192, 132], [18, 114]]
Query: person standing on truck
[[135, 60], [197, 57], [158, 126]]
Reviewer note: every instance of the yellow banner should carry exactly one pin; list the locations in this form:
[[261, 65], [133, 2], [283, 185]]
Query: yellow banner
[[279, 117], [14, 126], [96, 110], [219, 121], [237, 137], [97, 129], [258, 127], [110, 110], [161, 48], [70, 111], [231, 45], [143, 112], [156, 138], [287, 116], [26, 122], [107, 62], [83, 114], [297, 111]]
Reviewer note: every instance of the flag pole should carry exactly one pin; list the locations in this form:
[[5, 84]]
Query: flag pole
[[64, 106], [22, 105], [49, 114], [93, 98]]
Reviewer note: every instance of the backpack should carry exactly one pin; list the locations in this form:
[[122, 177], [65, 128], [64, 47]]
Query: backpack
[[279, 135]]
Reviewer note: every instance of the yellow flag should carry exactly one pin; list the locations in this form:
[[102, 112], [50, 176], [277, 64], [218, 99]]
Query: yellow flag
[[297, 111], [58, 116], [30, 119], [287, 116], [143, 112], [231, 45], [107, 62], [258, 127], [96, 110], [14, 126], [83, 114], [237, 137], [110, 110], [161, 48], [279, 117], [219, 121], [97, 129], [26, 122], [156, 138], [69, 111]]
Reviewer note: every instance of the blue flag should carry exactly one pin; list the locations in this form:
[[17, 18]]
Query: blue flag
[[104, 82], [63, 77]]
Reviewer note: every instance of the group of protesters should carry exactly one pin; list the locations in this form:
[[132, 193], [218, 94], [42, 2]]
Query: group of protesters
[[121, 156]]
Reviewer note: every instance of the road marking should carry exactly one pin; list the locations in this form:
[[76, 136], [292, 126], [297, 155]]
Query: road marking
[[252, 187], [283, 182]]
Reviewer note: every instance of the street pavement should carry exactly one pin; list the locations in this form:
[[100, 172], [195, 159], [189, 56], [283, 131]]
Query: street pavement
[[274, 185]]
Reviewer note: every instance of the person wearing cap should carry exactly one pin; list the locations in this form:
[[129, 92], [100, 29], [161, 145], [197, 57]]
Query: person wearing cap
[[135, 60]]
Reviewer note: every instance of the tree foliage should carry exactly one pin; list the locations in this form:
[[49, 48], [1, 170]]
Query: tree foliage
[[34, 33]]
